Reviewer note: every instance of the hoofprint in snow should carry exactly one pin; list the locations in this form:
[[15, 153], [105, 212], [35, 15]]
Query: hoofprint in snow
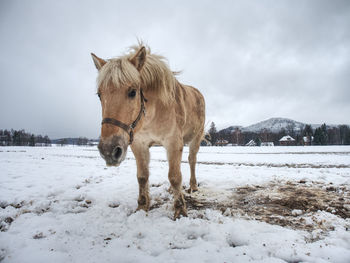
[[255, 204]]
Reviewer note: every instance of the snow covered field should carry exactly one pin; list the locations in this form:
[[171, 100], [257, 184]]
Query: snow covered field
[[259, 204]]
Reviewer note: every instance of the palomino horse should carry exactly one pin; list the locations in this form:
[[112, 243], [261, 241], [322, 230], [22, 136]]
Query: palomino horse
[[143, 104]]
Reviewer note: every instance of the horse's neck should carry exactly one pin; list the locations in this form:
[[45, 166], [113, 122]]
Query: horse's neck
[[158, 115]]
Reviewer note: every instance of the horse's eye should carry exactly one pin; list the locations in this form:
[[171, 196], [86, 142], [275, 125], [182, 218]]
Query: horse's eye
[[132, 93], [99, 95]]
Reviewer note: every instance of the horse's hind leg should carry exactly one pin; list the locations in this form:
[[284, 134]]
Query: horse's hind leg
[[192, 159], [174, 151]]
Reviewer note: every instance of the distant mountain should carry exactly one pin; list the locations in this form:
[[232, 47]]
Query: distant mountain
[[274, 125], [231, 129]]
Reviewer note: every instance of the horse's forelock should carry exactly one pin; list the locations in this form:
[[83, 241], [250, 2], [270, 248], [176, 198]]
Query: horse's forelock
[[118, 72]]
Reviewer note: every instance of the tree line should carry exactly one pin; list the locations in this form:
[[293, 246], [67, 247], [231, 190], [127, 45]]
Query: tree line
[[323, 135], [22, 138], [73, 141]]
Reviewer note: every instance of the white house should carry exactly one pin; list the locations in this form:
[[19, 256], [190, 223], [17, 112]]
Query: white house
[[287, 140]]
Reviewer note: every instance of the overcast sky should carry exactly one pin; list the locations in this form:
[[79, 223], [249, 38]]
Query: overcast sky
[[252, 60]]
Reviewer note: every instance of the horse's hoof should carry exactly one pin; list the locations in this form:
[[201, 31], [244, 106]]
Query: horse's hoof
[[143, 207], [180, 212], [143, 203], [192, 189]]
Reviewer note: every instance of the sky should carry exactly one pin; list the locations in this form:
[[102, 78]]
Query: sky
[[252, 60]]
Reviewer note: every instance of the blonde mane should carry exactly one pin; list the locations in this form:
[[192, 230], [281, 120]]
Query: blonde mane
[[155, 75]]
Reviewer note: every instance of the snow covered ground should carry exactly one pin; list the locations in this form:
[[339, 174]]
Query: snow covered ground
[[259, 204]]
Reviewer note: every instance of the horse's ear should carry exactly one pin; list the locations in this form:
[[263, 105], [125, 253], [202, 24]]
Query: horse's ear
[[138, 60], [99, 62]]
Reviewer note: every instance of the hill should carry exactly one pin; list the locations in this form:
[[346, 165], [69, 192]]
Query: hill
[[274, 125]]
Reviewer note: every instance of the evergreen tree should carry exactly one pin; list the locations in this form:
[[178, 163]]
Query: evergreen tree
[[258, 141], [213, 133], [32, 140], [324, 134], [16, 138], [8, 137], [321, 136]]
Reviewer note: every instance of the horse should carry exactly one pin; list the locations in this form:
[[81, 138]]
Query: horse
[[143, 104]]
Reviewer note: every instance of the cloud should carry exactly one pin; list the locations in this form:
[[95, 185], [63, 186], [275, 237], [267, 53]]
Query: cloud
[[251, 59]]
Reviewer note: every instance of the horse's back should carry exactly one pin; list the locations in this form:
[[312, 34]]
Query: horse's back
[[194, 113]]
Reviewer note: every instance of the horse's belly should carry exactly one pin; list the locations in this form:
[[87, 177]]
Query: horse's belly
[[189, 135]]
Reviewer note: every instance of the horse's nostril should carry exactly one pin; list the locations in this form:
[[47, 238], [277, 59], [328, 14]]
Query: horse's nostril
[[117, 153]]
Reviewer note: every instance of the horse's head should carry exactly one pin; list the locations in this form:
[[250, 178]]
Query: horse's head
[[122, 101]]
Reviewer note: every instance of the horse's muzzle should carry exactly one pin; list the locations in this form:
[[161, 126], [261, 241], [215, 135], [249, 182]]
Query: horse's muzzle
[[113, 149]]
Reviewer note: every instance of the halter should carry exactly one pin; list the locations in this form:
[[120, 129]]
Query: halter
[[129, 128]]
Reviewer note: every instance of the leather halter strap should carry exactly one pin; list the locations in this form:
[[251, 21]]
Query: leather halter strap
[[129, 128]]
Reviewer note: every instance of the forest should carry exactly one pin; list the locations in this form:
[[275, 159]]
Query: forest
[[22, 138], [323, 135]]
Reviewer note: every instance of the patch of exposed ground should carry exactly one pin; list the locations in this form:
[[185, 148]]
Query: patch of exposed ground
[[297, 205], [293, 204]]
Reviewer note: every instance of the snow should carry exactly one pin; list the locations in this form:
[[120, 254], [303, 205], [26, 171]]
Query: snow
[[62, 204]]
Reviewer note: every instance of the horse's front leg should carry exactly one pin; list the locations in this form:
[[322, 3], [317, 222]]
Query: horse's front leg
[[174, 151], [142, 160]]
